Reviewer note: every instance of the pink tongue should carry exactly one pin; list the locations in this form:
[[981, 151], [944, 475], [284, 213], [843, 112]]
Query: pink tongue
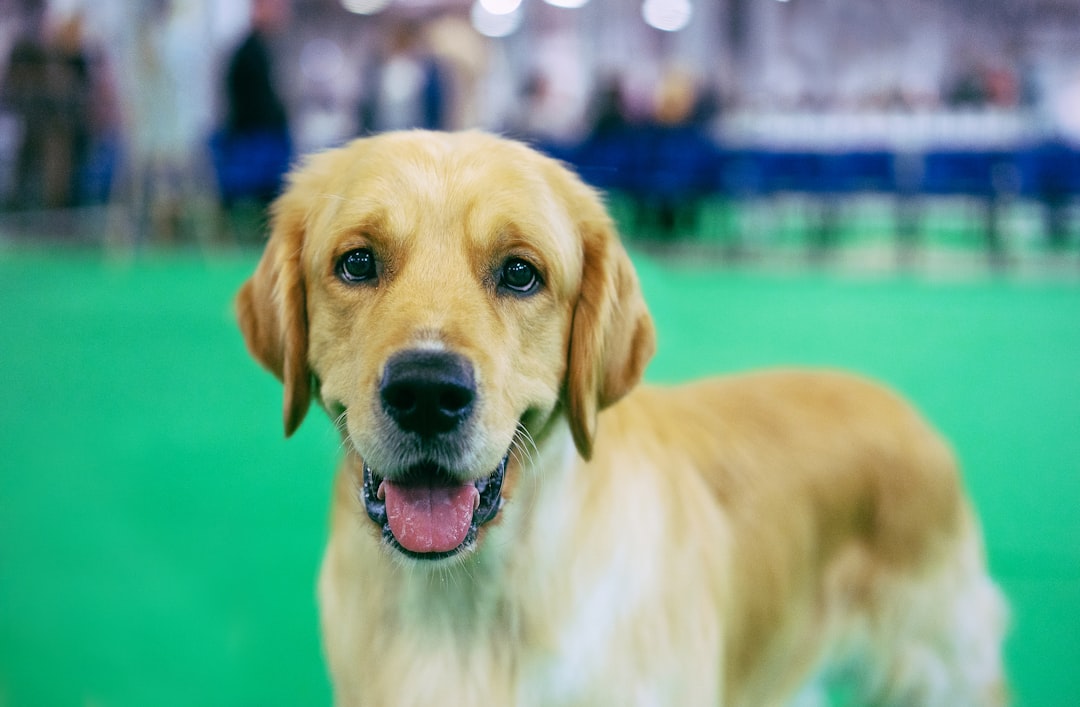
[[430, 518]]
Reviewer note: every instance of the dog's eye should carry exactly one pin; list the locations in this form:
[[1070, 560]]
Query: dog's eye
[[519, 276], [357, 265]]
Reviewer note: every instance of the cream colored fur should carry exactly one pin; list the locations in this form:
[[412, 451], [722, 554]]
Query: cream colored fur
[[737, 541]]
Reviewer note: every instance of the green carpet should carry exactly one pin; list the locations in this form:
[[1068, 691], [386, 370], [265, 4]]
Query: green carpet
[[159, 540]]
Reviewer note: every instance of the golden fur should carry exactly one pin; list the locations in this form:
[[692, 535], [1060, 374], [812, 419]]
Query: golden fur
[[737, 541]]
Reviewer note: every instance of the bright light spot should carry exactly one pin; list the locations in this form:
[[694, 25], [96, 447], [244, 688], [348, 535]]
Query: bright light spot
[[566, 3], [364, 7], [492, 25], [500, 7], [667, 15]]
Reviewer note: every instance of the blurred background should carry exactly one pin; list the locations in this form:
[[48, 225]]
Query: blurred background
[[885, 186], [751, 128]]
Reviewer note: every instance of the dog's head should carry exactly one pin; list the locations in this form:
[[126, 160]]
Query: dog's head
[[447, 298]]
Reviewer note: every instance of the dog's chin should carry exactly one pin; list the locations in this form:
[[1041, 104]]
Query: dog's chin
[[426, 514]]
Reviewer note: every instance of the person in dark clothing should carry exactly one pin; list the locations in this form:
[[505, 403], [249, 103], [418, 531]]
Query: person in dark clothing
[[254, 104], [255, 149], [25, 93], [48, 87]]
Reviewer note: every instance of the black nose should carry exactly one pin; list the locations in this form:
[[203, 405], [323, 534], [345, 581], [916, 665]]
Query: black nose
[[428, 392]]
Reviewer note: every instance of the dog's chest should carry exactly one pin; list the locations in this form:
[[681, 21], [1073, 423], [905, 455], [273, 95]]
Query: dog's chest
[[526, 651]]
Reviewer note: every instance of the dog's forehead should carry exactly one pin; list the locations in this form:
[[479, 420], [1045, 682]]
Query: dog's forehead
[[457, 191]]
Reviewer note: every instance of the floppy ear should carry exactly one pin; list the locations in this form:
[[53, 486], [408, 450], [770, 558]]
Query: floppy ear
[[271, 309], [612, 336]]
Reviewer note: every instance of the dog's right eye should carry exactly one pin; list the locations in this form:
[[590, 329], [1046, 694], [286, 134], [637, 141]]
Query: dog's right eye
[[356, 265], [519, 276]]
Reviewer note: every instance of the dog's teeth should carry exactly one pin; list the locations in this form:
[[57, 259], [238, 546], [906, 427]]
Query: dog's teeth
[[475, 502], [380, 493]]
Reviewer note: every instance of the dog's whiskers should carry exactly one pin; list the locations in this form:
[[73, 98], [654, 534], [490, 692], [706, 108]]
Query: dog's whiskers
[[339, 421], [340, 425], [522, 446], [524, 449]]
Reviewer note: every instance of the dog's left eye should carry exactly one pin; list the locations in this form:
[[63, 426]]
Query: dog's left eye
[[356, 265], [519, 276]]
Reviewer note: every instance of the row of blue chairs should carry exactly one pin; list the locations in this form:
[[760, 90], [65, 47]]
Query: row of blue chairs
[[685, 162], [671, 170]]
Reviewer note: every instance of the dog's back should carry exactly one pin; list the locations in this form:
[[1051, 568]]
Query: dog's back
[[842, 517]]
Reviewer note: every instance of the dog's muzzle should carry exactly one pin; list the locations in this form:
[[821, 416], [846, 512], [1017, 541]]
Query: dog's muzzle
[[428, 515], [425, 511]]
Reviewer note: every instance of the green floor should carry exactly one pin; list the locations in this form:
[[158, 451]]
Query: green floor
[[159, 539]]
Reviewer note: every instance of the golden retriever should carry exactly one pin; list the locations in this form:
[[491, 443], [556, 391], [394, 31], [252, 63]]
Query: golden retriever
[[517, 522]]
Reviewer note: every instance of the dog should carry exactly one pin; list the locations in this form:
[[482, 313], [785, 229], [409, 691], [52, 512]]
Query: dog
[[516, 521]]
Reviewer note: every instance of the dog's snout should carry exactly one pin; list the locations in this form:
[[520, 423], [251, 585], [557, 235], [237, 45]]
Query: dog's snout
[[428, 392]]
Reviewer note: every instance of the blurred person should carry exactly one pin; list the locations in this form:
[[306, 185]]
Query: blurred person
[[676, 98], [465, 65], [168, 120], [683, 153], [48, 86], [987, 85], [528, 120], [611, 152], [609, 114], [24, 93], [1002, 86], [967, 91], [255, 149], [405, 87], [71, 83]]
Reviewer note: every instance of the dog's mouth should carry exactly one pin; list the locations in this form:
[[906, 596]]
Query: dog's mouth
[[428, 514]]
